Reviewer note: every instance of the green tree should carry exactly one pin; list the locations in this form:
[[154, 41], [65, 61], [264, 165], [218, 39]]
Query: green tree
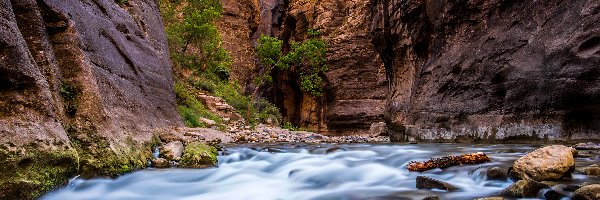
[[308, 59], [190, 23]]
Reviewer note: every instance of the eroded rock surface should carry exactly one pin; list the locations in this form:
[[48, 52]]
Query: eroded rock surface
[[82, 84], [499, 70]]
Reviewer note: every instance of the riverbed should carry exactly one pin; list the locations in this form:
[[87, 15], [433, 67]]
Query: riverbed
[[299, 171]]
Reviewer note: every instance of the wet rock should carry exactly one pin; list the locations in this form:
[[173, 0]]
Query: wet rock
[[172, 151], [523, 189], [160, 163], [587, 146], [554, 195], [424, 182], [592, 170], [497, 173], [378, 129], [334, 149], [198, 155], [432, 197], [547, 163], [589, 192]]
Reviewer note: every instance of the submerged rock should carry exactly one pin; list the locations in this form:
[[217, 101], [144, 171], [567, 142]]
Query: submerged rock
[[547, 163], [198, 155], [588, 192], [172, 151], [432, 197], [587, 146], [497, 173], [554, 195], [424, 182], [523, 189]]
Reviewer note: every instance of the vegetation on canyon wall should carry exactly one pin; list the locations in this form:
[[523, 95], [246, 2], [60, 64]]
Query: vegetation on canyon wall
[[201, 64], [307, 59]]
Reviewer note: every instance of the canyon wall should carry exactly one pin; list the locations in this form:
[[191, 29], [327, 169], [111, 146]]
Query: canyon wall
[[355, 82], [355, 89], [500, 70], [83, 84]]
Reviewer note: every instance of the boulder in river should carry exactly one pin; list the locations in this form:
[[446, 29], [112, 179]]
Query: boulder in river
[[198, 155], [172, 151], [523, 189], [554, 195], [547, 163], [160, 163], [424, 182], [497, 173], [432, 197], [592, 170], [588, 192], [587, 146]]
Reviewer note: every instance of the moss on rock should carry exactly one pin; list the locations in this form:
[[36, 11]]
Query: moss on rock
[[30, 172], [198, 155]]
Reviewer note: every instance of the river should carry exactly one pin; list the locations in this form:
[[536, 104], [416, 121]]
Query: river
[[300, 171]]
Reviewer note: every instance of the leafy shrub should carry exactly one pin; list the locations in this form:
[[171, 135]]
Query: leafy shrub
[[307, 59]]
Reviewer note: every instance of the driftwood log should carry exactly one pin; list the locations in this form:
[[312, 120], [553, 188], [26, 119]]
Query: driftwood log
[[448, 161]]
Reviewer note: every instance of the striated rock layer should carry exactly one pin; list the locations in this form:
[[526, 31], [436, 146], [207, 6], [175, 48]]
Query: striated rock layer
[[82, 85], [490, 70]]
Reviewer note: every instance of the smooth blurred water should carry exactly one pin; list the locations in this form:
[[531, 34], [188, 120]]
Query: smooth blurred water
[[308, 171]]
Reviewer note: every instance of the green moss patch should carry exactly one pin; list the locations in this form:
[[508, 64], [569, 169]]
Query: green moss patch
[[198, 155], [30, 172]]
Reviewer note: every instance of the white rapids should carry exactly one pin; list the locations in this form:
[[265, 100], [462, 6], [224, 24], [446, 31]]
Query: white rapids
[[305, 171]]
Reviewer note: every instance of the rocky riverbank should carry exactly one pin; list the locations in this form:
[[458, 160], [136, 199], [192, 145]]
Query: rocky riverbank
[[175, 142]]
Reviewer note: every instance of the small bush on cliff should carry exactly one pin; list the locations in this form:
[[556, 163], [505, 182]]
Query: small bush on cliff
[[307, 59]]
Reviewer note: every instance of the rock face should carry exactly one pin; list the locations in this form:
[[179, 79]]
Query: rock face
[[490, 70], [355, 82], [238, 23], [82, 83], [548, 163], [355, 90]]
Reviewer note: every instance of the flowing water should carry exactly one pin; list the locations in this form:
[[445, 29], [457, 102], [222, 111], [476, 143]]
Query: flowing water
[[310, 171]]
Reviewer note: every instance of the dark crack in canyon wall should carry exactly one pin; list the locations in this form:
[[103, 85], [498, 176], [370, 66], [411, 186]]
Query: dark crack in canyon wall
[[83, 84], [355, 84], [501, 70]]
